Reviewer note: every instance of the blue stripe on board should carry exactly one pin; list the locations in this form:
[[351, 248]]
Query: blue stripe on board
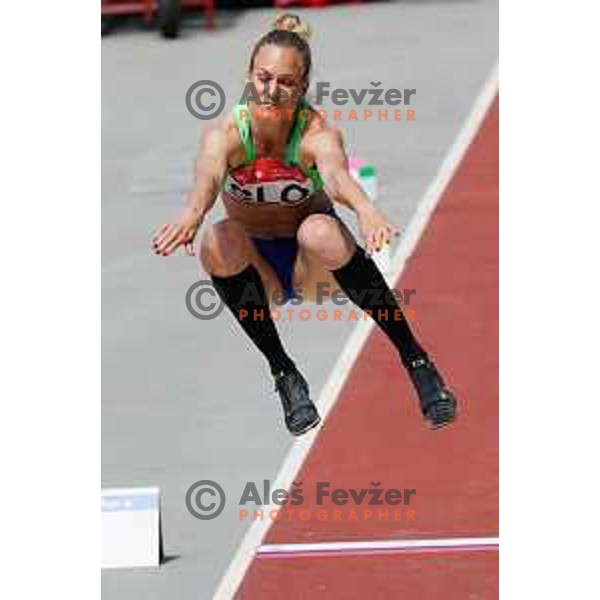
[[130, 502]]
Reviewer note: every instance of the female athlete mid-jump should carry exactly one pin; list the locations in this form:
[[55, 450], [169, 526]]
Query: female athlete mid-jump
[[279, 167]]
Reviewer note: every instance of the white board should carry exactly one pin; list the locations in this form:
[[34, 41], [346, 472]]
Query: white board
[[131, 534]]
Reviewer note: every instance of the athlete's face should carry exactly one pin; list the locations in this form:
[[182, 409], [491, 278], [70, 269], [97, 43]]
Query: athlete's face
[[278, 78]]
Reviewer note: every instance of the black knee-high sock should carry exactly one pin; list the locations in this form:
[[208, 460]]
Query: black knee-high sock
[[246, 297], [363, 282]]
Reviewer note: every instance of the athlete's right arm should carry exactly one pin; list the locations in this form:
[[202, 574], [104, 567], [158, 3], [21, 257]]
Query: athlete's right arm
[[209, 173]]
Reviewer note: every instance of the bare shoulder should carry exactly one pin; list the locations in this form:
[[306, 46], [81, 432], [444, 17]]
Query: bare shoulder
[[320, 132], [221, 137], [321, 137]]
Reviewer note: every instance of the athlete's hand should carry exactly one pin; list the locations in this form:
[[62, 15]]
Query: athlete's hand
[[376, 230], [170, 236]]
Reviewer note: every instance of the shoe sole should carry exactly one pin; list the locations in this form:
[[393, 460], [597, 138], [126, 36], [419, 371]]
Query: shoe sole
[[435, 426], [306, 428]]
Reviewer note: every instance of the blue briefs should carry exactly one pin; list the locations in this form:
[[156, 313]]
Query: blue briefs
[[281, 255]]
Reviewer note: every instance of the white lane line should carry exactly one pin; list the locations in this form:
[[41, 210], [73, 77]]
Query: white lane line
[[445, 173], [337, 548], [299, 451]]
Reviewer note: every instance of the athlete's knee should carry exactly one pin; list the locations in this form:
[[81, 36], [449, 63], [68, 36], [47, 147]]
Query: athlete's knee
[[318, 233], [224, 247], [322, 235]]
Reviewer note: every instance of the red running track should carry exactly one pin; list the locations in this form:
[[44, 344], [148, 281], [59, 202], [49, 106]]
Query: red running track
[[375, 433]]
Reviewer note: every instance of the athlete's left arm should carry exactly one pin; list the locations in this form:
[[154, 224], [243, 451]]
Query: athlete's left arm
[[327, 150]]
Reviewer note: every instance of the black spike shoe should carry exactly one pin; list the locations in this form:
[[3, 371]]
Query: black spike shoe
[[299, 410], [438, 404]]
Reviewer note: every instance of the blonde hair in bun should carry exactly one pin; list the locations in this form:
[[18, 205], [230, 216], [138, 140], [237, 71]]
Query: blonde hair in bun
[[289, 31], [293, 24]]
